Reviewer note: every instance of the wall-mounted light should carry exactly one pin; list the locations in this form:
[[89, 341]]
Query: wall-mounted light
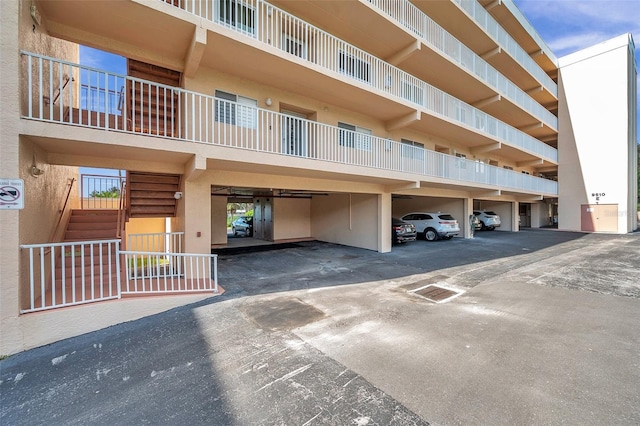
[[268, 102], [177, 195], [34, 170]]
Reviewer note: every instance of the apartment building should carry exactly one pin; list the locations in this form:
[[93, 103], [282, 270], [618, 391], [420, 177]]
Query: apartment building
[[331, 117]]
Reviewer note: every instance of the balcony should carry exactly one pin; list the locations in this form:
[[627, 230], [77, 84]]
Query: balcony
[[64, 93], [261, 43], [485, 34], [437, 57]]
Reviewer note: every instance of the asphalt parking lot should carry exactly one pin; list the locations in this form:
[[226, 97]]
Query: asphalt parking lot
[[544, 328]]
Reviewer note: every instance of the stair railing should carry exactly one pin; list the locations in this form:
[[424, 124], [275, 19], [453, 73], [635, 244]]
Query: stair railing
[[62, 211], [122, 213]]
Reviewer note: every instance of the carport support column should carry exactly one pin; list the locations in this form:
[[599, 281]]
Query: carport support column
[[384, 223], [515, 216], [464, 223], [196, 214]]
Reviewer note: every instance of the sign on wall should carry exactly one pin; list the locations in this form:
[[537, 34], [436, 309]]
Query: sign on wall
[[11, 194]]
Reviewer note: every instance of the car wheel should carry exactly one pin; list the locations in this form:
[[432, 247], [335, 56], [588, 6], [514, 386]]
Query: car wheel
[[491, 228], [448, 237], [430, 234], [234, 230], [482, 227]]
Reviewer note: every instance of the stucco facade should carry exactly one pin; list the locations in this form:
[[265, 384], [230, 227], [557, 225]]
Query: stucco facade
[[597, 143], [331, 130]]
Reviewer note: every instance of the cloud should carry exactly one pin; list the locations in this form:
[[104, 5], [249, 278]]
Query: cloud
[[571, 25]]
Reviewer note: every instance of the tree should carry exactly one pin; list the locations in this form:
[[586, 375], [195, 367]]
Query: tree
[[113, 192]]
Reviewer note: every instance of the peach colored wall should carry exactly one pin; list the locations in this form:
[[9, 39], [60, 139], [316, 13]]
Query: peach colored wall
[[43, 194], [152, 225], [349, 219], [206, 81], [291, 218], [218, 220]]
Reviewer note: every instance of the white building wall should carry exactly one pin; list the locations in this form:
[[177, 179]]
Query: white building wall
[[596, 112]]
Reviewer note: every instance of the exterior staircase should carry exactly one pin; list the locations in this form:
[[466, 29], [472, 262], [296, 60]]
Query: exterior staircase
[[152, 194], [92, 225]]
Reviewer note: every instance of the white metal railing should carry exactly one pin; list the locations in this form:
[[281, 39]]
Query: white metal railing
[[206, 119], [161, 242], [153, 272], [72, 273], [416, 21], [277, 28], [508, 43], [100, 191]]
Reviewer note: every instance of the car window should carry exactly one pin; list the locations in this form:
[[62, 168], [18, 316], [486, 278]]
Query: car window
[[446, 217], [476, 213], [490, 213]]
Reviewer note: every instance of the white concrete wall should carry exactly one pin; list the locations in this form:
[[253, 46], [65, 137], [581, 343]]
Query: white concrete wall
[[596, 110]]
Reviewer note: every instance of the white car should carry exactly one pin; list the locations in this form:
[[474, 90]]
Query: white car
[[488, 220], [433, 225]]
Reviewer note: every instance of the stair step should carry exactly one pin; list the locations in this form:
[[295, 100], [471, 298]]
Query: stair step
[[89, 226], [89, 234], [94, 212], [148, 178], [157, 187], [94, 219]]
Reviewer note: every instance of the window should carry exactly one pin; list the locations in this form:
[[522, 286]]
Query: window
[[354, 137], [354, 67], [237, 14], [508, 167], [413, 150], [462, 162], [412, 92], [295, 46], [235, 110]]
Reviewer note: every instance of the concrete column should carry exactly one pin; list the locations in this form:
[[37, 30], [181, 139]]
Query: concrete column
[[196, 211], [539, 212], [515, 216], [11, 338], [467, 209], [384, 223], [218, 220]]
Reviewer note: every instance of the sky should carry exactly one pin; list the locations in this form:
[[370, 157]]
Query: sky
[[567, 26]]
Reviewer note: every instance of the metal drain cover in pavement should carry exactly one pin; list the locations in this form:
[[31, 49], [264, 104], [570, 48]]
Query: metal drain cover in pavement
[[436, 293]]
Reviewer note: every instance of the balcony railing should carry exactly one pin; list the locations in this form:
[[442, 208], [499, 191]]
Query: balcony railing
[[75, 273], [206, 119], [508, 43], [435, 36], [277, 28], [100, 191]]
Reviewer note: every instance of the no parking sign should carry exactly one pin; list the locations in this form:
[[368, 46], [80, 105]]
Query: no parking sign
[[11, 194]]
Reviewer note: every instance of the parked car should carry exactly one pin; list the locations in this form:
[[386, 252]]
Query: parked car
[[433, 225], [402, 231], [243, 224], [489, 220]]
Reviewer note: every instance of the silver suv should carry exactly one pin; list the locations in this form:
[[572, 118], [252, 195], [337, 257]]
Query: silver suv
[[488, 220], [433, 225]]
